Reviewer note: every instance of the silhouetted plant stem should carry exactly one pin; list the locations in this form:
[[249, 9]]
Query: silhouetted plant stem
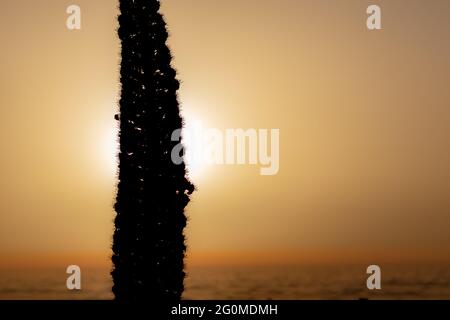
[[148, 244]]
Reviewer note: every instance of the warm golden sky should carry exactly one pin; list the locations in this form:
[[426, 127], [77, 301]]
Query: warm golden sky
[[364, 120]]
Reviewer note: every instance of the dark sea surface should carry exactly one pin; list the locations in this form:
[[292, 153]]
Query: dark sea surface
[[305, 282]]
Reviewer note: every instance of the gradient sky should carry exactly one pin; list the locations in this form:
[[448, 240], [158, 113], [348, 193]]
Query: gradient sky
[[364, 120]]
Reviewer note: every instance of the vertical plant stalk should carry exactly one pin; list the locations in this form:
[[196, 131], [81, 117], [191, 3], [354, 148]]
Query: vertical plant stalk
[[153, 191]]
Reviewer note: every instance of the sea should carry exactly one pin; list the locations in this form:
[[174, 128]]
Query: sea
[[247, 283]]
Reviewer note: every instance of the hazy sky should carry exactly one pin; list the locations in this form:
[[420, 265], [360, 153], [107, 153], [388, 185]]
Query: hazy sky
[[363, 117]]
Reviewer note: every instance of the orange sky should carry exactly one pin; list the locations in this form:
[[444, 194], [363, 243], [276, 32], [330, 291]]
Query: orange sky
[[363, 118]]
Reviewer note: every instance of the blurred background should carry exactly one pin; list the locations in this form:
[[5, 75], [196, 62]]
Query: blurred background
[[364, 147]]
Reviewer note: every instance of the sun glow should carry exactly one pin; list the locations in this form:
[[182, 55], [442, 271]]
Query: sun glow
[[109, 150], [194, 144]]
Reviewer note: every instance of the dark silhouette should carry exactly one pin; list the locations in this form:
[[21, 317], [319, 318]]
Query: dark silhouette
[[149, 244]]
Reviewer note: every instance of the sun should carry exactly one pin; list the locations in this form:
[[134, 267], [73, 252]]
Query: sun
[[108, 150], [194, 143]]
